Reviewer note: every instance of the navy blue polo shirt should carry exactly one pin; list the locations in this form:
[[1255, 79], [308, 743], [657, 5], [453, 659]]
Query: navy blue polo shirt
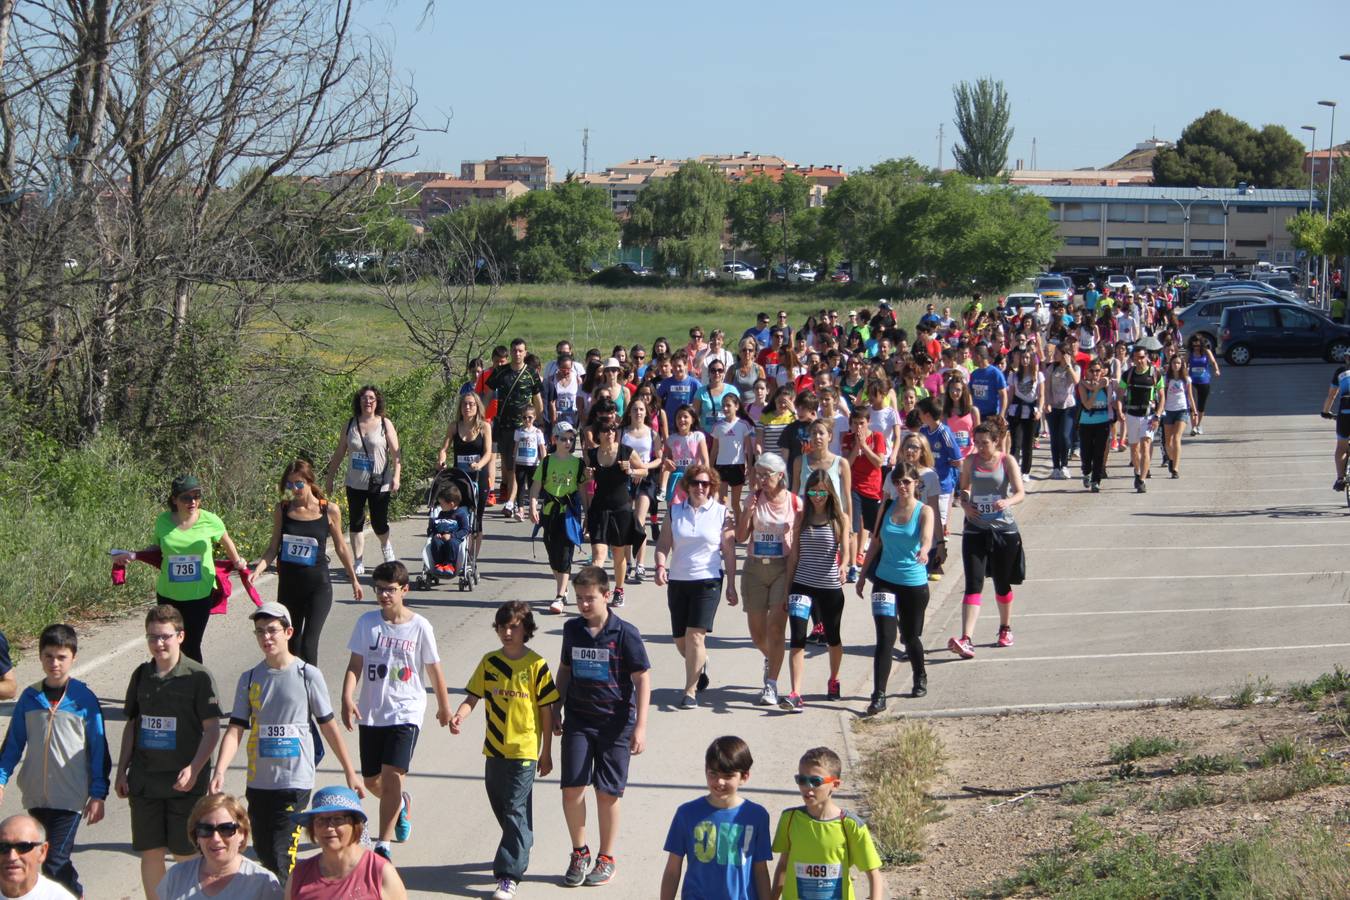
[[600, 689]]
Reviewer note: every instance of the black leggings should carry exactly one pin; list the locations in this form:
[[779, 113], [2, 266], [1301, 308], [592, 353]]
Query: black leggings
[[828, 603], [1023, 433], [308, 605], [557, 543], [524, 480], [195, 613], [911, 603], [1201, 392], [1093, 454], [379, 510]]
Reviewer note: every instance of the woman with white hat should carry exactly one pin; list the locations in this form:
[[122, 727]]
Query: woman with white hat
[[343, 868], [611, 379]]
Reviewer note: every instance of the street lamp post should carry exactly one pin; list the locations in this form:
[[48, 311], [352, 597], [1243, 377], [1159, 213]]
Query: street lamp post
[[1223, 203], [1312, 190], [1185, 225], [1331, 171]]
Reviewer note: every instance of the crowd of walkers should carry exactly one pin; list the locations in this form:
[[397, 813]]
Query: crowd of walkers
[[768, 472]]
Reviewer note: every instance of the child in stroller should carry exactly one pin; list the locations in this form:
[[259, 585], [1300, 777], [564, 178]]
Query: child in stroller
[[451, 524], [447, 529]]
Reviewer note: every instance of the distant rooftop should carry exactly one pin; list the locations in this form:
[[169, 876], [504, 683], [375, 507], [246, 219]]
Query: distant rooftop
[[1125, 193]]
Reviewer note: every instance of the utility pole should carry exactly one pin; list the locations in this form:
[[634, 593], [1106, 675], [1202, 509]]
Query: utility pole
[[941, 125], [1033, 154], [585, 150]]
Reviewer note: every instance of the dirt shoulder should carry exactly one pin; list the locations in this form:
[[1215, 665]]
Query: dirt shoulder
[[1201, 776]]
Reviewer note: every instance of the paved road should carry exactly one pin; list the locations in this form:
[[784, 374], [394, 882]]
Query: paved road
[[1236, 570]]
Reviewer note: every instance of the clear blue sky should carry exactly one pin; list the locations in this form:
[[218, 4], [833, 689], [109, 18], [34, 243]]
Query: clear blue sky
[[853, 82]]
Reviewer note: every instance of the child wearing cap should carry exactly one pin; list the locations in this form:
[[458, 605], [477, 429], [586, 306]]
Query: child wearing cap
[[530, 448], [276, 701], [344, 867], [519, 694]]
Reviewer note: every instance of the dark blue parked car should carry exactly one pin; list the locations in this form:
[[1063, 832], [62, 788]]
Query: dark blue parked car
[[1280, 330]]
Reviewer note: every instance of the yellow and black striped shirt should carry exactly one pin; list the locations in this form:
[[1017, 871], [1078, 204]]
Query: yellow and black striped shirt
[[512, 691]]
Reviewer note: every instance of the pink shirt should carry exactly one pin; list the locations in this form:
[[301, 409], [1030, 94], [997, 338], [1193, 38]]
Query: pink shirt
[[362, 883]]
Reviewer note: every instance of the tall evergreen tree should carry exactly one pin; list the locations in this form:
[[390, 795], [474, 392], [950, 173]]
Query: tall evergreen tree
[[982, 116]]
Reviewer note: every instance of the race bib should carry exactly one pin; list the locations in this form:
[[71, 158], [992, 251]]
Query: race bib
[[883, 604], [300, 550], [185, 568], [590, 663], [159, 732], [799, 606], [819, 881], [281, 741], [768, 545], [527, 454], [566, 404], [466, 460], [361, 462], [984, 504], [771, 370], [962, 439], [979, 390]]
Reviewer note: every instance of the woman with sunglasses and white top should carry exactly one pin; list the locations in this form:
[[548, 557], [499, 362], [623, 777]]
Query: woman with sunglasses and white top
[[219, 828], [301, 527], [697, 544], [816, 564], [373, 474], [904, 533]]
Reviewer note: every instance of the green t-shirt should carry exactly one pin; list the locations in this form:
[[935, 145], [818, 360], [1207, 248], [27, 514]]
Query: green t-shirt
[[188, 571], [169, 713], [821, 853]]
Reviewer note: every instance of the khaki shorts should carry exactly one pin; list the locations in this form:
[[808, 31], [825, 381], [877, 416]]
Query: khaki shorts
[[763, 583]]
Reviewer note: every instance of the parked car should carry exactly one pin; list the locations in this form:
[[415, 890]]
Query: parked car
[[801, 273], [1015, 305], [839, 276], [1280, 330], [1119, 283], [635, 269], [735, 271], [1202, 317], [1053, 289], [1215, 289]]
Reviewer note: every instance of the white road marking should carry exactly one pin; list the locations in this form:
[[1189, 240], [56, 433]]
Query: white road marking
[[1210, 609], [1187, 577], [1207, 650], [1186, 549]]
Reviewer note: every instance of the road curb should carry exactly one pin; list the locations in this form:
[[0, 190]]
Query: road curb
[[974, 711]]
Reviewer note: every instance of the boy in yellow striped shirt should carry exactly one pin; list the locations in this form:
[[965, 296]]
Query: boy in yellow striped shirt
[[518, 693]]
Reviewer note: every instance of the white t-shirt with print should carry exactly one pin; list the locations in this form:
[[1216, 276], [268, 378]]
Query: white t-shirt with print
[[393, 659]]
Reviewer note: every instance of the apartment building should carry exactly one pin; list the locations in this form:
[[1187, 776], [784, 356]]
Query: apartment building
[[441, 196], [535, 172], [1130, 221]]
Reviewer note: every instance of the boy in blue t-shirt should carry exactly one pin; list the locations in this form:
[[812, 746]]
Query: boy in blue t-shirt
[[724, 836], [988, 386], [676, 391]]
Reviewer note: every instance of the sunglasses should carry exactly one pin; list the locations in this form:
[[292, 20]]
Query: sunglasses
[[716, 371], [23, 848], [224, 829], [337, 821], [194, 497], [703, 483], [609, 429], [294, 485], [817, 493], [814, 781], [907, 482]]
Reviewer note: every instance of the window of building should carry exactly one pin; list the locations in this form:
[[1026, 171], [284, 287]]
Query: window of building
[[1124, 246], [1079, 240], [1206, 215], [1082, 212], [1250, 243], [1125, 212], [1261, 210], [1054, 212], [1164, 247], [1171, 214]]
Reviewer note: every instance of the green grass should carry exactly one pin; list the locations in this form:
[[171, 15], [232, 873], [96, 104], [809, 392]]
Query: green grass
[[897, 778], [1099, 864], [1194, 701], [1080, 793], [1312, 692], [1143, 747], [353, 327], [1203, 764], [1185, 796], [1281, 751], [1310, 769], [1248, 693]]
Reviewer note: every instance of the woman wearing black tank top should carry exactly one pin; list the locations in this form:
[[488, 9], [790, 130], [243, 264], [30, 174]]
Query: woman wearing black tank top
[[301, 527]]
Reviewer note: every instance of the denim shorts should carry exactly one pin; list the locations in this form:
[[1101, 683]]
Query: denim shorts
[[1172, 417]]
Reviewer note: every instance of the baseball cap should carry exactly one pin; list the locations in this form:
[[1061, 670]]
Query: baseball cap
[[272, 610], [563, 428], [184, 483]]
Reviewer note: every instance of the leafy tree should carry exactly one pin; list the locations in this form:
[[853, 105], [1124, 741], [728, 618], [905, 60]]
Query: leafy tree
[[1340, 185], [982, 116], [383, 226], [811, 238], [566, 227], [763, 212], [1219, 150], [1307, 231], [856, 212], [486, 226], [683, 215], [1337, 239], [957, 232]]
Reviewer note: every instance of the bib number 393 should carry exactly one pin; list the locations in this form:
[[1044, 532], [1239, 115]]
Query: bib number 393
[[820, 881]]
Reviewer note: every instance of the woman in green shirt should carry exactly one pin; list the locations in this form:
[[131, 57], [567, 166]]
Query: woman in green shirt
[[186, 535]]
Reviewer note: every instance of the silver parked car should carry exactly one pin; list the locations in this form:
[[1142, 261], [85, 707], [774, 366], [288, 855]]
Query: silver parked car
[[1202, 316]]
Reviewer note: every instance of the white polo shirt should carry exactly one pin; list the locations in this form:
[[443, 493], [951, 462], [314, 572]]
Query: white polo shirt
[[696, 541]]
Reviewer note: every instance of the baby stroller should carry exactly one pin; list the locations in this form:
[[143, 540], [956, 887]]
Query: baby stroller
[[466, 564]]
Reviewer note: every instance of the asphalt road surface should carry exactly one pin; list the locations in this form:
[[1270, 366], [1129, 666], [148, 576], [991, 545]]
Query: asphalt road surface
[[1234, 572]]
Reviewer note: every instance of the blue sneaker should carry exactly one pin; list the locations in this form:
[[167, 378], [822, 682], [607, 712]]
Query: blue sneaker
[[403, 828]]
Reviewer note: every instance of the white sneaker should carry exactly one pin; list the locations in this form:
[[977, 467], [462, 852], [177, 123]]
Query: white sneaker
[[768, 696], [389, 554], [359, 568], [556, 607], [506, 890], [1199, 430]]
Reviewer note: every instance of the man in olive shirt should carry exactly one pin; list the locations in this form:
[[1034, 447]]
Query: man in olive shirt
[[173, 724], [516, 388]]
